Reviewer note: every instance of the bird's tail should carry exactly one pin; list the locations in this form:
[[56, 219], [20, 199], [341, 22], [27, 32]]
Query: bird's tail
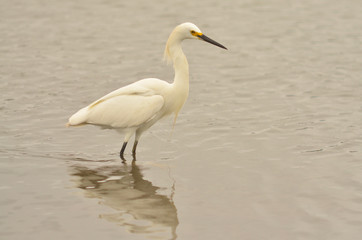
[[78, 118]]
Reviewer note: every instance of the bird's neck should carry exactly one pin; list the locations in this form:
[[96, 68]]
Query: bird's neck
[[180, 65], [181, 68], [180, 85]]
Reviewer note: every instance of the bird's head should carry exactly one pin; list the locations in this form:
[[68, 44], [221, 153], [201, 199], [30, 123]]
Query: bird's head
[[191, 31], [185, 31]]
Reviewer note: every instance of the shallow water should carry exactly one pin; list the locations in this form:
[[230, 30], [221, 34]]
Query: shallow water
[[268, 145]]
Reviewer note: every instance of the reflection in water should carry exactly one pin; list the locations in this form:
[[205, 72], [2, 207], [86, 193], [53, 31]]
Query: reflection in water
[[139, 208]]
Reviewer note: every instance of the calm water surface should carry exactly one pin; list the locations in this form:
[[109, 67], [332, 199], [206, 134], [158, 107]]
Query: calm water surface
[[268, 145]]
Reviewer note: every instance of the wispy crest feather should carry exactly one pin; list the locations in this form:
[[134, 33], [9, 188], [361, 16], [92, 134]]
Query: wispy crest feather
[[166, 55], [172, 39]]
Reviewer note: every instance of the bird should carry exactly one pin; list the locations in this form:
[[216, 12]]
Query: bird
[[134, 108]]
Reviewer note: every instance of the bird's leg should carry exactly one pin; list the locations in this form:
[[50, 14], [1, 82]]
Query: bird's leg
[[122, 151], [134, 150]]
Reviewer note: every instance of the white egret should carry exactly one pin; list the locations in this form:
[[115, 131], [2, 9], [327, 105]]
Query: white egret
[[136, 107]]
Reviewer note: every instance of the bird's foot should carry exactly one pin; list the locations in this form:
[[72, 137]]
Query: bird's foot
[[122, 151], [122, 157]]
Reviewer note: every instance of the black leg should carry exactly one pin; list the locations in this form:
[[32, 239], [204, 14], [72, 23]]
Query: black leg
[[134, 150], [122, 151]]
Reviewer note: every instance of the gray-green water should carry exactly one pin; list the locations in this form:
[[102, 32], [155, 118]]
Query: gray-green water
[[268, 145]]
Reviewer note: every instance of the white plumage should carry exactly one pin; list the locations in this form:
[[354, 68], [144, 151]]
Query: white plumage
[[136, 107]]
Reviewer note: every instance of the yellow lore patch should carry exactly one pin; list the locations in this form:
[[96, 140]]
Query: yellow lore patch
[[196, 34]]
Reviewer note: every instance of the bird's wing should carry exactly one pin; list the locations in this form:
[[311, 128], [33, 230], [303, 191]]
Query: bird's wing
[[125, 111], [127, 106], [132, 89]]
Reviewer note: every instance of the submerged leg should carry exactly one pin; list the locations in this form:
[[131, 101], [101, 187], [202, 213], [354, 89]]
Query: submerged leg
[[122, 151], [134, 149], [137, 137], [127, 136]]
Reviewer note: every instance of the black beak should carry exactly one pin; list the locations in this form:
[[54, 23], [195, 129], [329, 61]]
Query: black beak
[[209, 40]]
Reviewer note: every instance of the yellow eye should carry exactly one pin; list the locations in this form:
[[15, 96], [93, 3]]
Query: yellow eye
[[193, 32]]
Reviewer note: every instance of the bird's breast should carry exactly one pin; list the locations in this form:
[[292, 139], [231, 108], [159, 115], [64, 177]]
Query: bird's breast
[[174, 100]]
